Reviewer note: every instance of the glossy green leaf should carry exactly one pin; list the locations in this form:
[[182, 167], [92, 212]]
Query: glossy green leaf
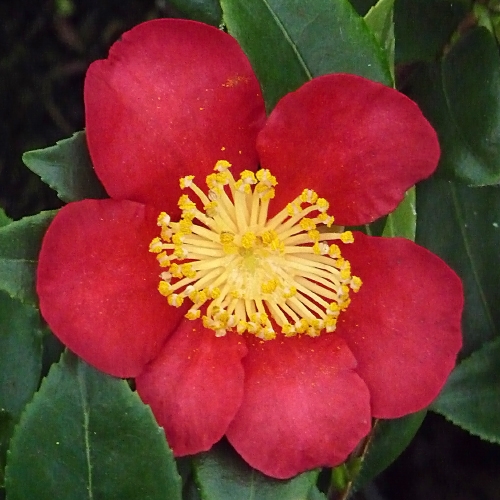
[[388, 440], [222, 475], [6, 429], [20, 243], [66, 168], [206, 11], [403, 221], [20, 365], [316, 494], [4, 220], [289, 42], [380, 21], [86, 435], [461, 98], [424, 27], [462, 225], [471, 396], [20, 354]]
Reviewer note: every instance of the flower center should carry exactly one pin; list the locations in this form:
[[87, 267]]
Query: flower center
[[249, 273]]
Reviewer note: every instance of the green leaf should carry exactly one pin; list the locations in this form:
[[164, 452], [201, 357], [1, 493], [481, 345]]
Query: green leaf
[[462, 226], [20, 354], [389, 439], [4, 220], [316, 494], [380, 21], [423, 27], [206, 11], [86, 435], [403, 221], [461, 98], [471, 396], [67, 168], [20, 243], [290, 42], [222, 475], [6, 430], [20, 365]]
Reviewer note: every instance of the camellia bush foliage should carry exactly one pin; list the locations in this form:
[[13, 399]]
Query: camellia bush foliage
[[278, 251]]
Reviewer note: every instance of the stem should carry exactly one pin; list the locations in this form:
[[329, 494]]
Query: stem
[[360, 452]]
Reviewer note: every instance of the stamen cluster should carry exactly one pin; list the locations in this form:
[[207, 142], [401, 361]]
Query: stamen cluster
[[249, 273]]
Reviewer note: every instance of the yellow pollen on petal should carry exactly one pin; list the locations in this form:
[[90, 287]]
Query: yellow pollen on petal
[[244, 271]]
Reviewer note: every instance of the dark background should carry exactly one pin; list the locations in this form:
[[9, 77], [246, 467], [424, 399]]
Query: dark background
[[44, 52]]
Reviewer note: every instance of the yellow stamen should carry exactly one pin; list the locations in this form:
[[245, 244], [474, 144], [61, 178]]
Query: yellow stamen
[[250, 273]]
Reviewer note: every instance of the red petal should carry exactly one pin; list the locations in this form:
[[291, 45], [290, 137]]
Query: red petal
[[98, 282], [304, 405], [357, 143], [172, 98], [194, 386], [403, 326]]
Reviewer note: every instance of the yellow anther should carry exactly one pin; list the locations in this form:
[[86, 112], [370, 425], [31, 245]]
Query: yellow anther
[[277, 245], [175, 300], [264, 176], [165, 288], [333, 309], [211, 209], [198, 297], [156, 246], [347, 237], [330, 323], [356, 283], [248, 177], [242, 327], [314, 235], [185, 203], [178, 238], [309, 196], [289, 292], [345, 274], [226, 237], [193, 314], [322, 205], [269, 286], [334, 251], [326, 219], [222, 178], [188, 271], [302, 325], [185, 226], [186, 182], [176, 270], [248, 240], [222, 165], [288, 330], [211, 181], [243, 187], [307, 224], [163, 259], [166, 234], [215, 293], [163, 219], [269, 236]]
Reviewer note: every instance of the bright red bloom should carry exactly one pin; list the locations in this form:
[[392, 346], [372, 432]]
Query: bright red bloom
[[173, 98]]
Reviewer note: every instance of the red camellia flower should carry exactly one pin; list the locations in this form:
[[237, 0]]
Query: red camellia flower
[[233, 294]]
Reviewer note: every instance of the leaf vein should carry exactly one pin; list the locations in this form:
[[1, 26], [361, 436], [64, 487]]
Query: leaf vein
[[288, 39]]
